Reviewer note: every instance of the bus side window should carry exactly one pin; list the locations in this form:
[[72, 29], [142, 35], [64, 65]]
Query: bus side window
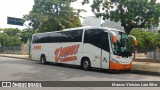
[[105, 42], [97, 37], [93, 36]]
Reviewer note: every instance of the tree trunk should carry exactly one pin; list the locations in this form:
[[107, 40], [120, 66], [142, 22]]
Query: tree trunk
[[127, 30], [134, 58]]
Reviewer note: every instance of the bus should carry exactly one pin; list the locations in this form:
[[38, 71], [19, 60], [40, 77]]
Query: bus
[[98, 47]]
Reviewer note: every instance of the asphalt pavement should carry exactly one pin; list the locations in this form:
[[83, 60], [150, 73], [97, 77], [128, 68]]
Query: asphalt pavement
[[26, 70], [138, 67], [22, 69]]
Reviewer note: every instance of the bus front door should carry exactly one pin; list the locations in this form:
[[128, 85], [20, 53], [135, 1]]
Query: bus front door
[[105, 51]]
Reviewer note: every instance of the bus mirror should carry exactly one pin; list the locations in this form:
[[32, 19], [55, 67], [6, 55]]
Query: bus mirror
[[114, 37], [135, 40]]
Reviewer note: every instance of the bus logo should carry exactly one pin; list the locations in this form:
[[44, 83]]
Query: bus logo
[[65, 54], [37, 47], [6, 84]]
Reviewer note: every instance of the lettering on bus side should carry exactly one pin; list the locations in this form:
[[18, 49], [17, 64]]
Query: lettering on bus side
[[65, 54], [37, 47]]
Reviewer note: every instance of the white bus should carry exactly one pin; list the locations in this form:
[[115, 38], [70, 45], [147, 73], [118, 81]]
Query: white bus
[[98, 47]]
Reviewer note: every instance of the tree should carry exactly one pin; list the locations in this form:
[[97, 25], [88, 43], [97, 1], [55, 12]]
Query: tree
[[158, 39], [10, 37], [24, 35], [146, 40], [11, 31], [131, 13], [2, 39], [52, 15]]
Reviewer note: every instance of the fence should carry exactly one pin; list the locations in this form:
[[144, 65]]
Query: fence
[[153, 55], [23, 49], [11, 49]]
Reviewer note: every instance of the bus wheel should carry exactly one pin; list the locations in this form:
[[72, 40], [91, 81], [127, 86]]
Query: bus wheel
[[43, 59], [86, 65]]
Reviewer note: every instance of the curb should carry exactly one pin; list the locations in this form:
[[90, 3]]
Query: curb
[[145, 72], [15, 57]]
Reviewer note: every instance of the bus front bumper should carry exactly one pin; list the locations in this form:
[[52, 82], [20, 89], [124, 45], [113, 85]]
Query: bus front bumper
[[118, 66]]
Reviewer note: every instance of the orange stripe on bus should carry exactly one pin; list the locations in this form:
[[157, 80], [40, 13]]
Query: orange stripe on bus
[[118, 66]]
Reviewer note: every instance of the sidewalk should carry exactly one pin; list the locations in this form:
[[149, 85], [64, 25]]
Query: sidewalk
[[138, 67], [146, 68], [15, 56]]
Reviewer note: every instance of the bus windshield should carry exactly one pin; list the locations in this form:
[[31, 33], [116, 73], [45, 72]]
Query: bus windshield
[[122, 47]]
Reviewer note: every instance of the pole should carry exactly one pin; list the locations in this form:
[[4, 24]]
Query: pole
[[134, 54], [29, 45], [29, 42], [2, 46]]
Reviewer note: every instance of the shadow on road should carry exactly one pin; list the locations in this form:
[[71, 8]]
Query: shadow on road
[[92, 70]]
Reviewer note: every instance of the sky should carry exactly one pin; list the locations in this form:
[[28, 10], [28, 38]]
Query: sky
[[14, 8], [18, 8]]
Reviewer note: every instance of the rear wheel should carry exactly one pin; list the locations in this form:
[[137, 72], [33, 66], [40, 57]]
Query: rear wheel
[[86, 65], [43, 59]]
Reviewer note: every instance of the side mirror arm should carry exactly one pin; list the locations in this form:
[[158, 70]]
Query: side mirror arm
[[135, 40]]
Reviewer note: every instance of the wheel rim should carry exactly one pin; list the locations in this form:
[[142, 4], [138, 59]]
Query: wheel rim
[[86, 64], [42, 59]]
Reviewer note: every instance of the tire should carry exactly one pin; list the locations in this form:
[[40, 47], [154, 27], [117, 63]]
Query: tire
[[86, 65], [43, 59]]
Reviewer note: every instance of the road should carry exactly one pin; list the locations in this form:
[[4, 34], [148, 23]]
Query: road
[[12, 69]]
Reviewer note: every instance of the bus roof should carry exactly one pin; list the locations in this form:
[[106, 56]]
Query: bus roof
[[91, 27], [85, 27]]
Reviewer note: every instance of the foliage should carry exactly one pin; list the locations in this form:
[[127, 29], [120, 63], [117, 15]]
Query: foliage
[[146, 39], [131, 13], [158, 31], [25, 34], [10, 37], [2, 39], [11, 31], [52, 15], [14, 36], [158, 39]]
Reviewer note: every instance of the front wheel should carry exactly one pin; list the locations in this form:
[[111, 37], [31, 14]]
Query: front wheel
[[86, 65]]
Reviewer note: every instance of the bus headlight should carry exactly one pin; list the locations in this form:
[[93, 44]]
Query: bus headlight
[[114, 60]]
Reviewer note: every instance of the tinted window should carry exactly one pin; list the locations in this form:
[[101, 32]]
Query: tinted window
[[64, 36], [105, 42], [72, 36], [93, 36], [54, 37], [97, 37], [39, 38]]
